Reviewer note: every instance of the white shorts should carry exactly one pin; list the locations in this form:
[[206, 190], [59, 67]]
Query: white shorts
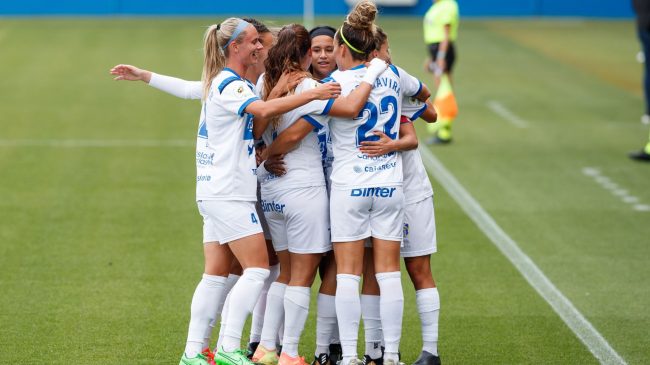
[[227, 220], [419, 229], [298, 219], [357, 213]]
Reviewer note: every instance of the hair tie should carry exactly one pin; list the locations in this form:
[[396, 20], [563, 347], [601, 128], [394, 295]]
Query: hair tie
[[348, 43], [240, 28]]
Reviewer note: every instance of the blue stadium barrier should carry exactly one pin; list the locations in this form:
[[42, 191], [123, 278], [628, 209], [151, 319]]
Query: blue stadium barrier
[[469, 8]]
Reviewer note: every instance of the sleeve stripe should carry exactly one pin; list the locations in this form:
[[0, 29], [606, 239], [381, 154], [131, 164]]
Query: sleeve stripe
[[327, 107], [312, 121], [242, 108], [227, 82], [417, 114]]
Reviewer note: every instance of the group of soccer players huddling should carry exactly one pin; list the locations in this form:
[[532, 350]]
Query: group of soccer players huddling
[[306, 165]]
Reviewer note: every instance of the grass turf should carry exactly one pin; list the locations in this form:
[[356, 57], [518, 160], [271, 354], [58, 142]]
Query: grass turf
[[100, 246]]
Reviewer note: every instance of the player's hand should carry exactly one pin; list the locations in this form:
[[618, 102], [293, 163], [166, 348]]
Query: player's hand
[[326, 91], [377, 148], [275, 165], [287, 82], [130, 73], [260, 153]]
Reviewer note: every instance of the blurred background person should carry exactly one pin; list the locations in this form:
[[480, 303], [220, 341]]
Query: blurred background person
[[440, 33], [642, 10]]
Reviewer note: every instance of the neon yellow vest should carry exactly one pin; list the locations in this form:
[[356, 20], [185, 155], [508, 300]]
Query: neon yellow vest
[[443, 12]]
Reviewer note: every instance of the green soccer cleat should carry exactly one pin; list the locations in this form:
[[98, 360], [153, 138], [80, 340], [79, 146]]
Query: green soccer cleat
[[198, 360], [237, 357]]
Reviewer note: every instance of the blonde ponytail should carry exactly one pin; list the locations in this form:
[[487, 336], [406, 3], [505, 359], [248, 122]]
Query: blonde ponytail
[[216, 38]]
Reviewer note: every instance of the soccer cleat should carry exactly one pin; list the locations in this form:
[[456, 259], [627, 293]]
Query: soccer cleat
[[640, 156], [427, 358], [209, 355], [198, 360], [336, 353], [322, 359], [367, 360], [237, 357], [250, 351], [288, 360], [265, 356]]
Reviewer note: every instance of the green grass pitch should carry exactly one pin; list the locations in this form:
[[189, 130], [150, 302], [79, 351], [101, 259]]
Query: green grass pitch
[[100, 245]]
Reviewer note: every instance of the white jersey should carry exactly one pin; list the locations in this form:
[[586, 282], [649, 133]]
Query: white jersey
[[417, 186], [225, 152], [327, 156], [351, 168], [303, 163]]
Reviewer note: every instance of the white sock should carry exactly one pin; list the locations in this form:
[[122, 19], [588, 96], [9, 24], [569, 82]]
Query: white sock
[[203, 310], [428, 302], [325, 323], [391, 304], [348, 313], [372, 325], [274, 315], [243, 297], [296, 309], [257, 323], [232, 279]]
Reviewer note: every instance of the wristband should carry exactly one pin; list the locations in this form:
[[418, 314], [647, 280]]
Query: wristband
[[441, 55]]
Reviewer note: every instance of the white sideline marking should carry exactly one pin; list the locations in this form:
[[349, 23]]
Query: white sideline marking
[[615, 189], [506, 114], [95, 143], [589, 336]]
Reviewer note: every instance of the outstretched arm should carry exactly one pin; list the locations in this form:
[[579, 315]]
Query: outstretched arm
[[270, 108], [178, 87]]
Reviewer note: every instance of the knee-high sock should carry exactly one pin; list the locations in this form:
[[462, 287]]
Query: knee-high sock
[[391, 304], [203, 311], [243, 297], [348, 313], [370, 312], [325, 323], [296, 309], [257, 322], [428, 302], [230, 282], [274, 315]]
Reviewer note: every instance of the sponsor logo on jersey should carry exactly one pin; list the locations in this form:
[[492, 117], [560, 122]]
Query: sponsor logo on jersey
[[272, 206], [382, 167], [379, 192], [203, 158]]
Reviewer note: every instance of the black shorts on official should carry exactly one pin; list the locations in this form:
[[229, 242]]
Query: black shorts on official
[[450, 57]]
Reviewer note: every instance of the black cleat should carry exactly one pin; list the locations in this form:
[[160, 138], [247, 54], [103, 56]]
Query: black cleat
[[640, 156], [250, 350], [321, 359], [336, 353], [427, 358]]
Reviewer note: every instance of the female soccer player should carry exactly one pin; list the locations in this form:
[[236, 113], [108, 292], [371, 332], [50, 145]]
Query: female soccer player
[[193, 90], [419, 240], [366, 196], [296, 204], [226, 184]]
